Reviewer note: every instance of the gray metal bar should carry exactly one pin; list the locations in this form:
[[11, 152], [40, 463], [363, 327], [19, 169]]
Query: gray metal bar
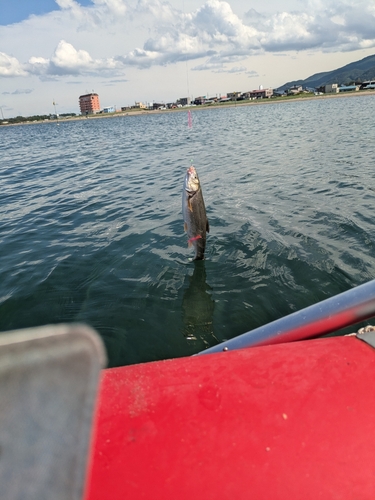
[[342, 310]]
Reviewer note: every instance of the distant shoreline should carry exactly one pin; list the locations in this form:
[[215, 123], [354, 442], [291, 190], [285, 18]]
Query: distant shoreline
[[137, 112]]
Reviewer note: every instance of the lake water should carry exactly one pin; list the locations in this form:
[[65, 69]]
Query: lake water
[[91, 225]]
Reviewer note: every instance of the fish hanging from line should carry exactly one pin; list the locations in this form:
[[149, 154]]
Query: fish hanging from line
[[194, 212]]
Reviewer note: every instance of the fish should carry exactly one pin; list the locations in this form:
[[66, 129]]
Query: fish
[[194, 212]]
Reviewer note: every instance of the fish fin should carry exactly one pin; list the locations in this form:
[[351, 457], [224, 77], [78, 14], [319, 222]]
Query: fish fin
[[189, 205], [207, 226], [185, 226], [190, 243]]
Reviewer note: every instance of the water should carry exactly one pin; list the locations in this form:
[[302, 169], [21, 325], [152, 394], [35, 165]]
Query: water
[[91, 225]]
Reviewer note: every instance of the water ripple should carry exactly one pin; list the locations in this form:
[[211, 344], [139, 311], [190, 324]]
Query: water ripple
[[91, 227]]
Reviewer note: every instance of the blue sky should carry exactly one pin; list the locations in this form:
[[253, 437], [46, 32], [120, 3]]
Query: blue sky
[[15, 11], [147, 50]]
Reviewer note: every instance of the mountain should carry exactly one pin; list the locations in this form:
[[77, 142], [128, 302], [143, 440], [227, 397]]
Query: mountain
[[358, 71]]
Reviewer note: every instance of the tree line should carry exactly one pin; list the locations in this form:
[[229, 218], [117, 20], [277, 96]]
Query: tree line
[[34, 118]]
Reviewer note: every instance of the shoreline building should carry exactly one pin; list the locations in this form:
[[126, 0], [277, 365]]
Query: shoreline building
[[332, 88], [261, 93], [184, 101], [89, 104]]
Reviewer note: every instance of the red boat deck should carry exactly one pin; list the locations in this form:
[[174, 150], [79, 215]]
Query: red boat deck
[[286, 421]]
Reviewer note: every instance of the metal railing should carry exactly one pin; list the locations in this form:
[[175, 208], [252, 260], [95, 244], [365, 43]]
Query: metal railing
[[330, 315]]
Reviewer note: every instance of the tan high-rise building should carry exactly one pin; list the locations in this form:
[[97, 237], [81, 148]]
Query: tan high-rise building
[[89, 104]]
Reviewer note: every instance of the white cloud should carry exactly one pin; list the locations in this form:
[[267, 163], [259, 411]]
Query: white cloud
[[333, 26], [216, 24], [103, 12], [213, 31], [66, 60], [117, 7], [37, 65], [210, 30], [167, 49], [10, 66], [162, 11]]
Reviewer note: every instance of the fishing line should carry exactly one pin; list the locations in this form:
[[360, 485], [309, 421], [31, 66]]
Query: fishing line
[[186, 60], [190, 119]]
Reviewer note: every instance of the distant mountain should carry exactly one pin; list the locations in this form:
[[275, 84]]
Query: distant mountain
[[359, 71]]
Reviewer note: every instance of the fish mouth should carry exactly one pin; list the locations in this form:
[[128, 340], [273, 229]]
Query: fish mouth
[[192, 181]]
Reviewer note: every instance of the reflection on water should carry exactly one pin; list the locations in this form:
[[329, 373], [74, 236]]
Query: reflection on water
[[198, 308]]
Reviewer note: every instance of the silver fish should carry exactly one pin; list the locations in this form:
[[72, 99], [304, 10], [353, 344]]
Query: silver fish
[[194, 212]]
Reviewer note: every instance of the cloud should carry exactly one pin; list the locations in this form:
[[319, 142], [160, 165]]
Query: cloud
[[10, 66], [213, 34], [214, 31], [217, 25], [165, 50], [119, 80], [101, 13], [162, 11], [110, 83], [66, 60], [333, 26], [210, 30], [237, 69], [18, 92], [116, 7], [216, 66]]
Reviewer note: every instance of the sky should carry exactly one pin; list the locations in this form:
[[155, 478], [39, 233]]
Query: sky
[[158, 51]]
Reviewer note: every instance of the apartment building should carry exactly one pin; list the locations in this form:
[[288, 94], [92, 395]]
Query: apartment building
[[89, 104]]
